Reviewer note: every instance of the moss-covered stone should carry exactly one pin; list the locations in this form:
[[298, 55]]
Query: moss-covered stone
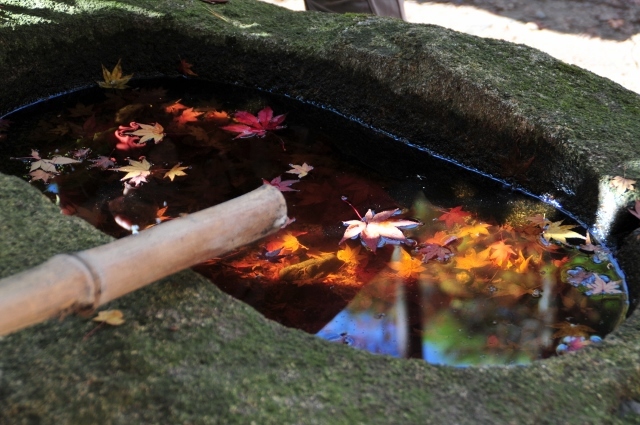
[[190, 354]]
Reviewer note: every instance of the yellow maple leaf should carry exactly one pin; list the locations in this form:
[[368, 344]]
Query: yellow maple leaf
[[149, 132], [472, 260], [135, 169], [351, 257], [110, 317], [175, 171], [523, 263], [474, 230], [407, 266], [560, 233], [114, 79]]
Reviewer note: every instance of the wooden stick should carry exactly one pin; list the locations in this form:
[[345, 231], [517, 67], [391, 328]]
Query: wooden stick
[[87, 279]]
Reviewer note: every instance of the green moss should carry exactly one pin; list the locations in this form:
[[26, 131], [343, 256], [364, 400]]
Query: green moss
[[190, 354]]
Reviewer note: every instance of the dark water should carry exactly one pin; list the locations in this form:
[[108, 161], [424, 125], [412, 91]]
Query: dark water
[[446, 265]]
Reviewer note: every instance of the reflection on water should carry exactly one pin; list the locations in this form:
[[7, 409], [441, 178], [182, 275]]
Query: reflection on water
[[497, 295]]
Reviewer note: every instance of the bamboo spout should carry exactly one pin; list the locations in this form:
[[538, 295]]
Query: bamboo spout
[[98, 275]]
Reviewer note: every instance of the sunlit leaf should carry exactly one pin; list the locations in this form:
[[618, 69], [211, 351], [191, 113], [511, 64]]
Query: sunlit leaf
[[558, 232], [110, 317], [376, 230]]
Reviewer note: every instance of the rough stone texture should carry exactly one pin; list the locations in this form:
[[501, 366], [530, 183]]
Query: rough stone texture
[[190, 354]]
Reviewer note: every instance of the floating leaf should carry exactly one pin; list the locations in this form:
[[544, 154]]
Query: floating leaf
[[135, 169], [250, 125], [148, 132], [114, 79], [300, 170], [558, 232], [376, 230], [175, 171]]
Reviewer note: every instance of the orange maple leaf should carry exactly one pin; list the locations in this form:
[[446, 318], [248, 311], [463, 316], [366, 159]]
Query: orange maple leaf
[[188, 115], [472, 260], [352, 257], [407, 266], [501, 252], [440, 238], [175, 107]]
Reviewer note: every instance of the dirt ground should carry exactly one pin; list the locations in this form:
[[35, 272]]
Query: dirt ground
[[602, 36]]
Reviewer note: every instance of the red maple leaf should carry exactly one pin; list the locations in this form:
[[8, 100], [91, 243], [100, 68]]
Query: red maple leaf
[[281, 185], [249, 125], [436, 251], [454, 216]]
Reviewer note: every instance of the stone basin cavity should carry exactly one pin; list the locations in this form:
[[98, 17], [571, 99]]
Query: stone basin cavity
[[446, 265], [190, 353]]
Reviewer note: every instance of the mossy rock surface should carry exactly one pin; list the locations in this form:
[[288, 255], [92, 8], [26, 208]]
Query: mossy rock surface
[[189, 353]]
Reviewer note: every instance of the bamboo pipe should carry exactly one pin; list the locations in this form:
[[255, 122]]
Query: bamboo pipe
[[90, 278]]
